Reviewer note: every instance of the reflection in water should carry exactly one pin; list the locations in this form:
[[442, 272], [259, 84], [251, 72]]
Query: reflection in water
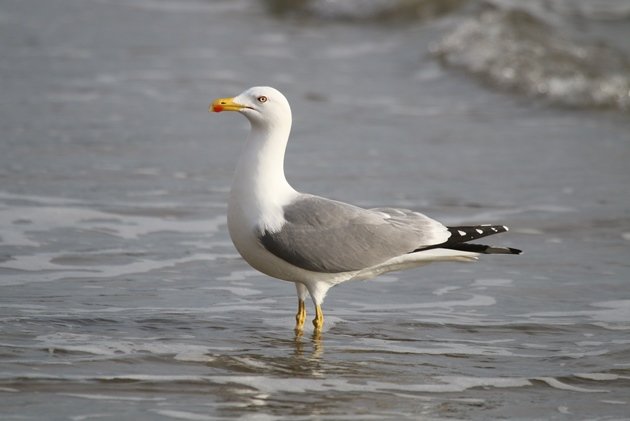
[[316, 346]]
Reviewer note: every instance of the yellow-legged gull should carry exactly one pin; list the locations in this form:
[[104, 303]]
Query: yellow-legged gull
[[317, 242]]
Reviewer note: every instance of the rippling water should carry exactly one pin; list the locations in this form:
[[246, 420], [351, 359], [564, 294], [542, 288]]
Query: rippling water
[[121, 295]]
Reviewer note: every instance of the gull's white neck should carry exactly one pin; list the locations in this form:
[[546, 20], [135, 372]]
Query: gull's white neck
[[260, 188]]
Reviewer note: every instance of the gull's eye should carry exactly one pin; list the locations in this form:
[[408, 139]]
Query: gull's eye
[[262, 99]]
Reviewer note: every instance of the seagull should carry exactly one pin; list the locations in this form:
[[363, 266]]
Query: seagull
[[316, 242]]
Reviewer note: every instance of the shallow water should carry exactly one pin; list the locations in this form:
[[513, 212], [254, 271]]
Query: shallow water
[[121, 295]]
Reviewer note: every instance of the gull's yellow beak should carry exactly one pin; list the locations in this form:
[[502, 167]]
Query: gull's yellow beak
[[225, 104]]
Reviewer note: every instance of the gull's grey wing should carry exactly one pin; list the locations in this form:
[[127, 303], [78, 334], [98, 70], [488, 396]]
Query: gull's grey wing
[[324, 235]]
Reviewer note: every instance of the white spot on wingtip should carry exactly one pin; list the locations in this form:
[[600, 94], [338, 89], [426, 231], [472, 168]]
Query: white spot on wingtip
[[479, 231], [462, 233], [494, 229], [505, 228]]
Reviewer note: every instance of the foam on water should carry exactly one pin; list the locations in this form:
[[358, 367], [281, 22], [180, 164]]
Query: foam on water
[[111, 397], [613, 315], [437, 348], [38, 222], [109, 347], [26, 220], [443, 384], [239, 275], [484, 283], [39, 269], [474, 300], [183, 415], [240, 291]]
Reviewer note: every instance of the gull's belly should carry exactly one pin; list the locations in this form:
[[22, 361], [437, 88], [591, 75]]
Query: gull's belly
[[243, 235], [255, 254]]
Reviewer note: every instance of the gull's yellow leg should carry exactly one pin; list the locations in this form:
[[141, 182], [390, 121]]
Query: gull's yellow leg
[[300, 317], [318, 321]]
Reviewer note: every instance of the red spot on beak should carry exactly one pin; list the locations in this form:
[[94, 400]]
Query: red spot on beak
[[217, 108]]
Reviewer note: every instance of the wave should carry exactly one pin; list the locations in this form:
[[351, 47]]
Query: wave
[[536, 48], [377, 11], [578, 382], [515, 49]]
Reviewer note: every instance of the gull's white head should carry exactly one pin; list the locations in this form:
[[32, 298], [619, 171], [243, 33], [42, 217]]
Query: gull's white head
[[262, 105]]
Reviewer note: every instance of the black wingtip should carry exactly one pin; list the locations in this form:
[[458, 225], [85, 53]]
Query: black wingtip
[[514, 251], [502, 250], [460, 237], [483, 249]]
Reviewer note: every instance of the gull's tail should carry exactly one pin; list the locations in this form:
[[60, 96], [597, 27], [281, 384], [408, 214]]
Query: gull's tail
[[461, 235]]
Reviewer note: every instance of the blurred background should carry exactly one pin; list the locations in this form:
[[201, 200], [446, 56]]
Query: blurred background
[[121, 295]]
